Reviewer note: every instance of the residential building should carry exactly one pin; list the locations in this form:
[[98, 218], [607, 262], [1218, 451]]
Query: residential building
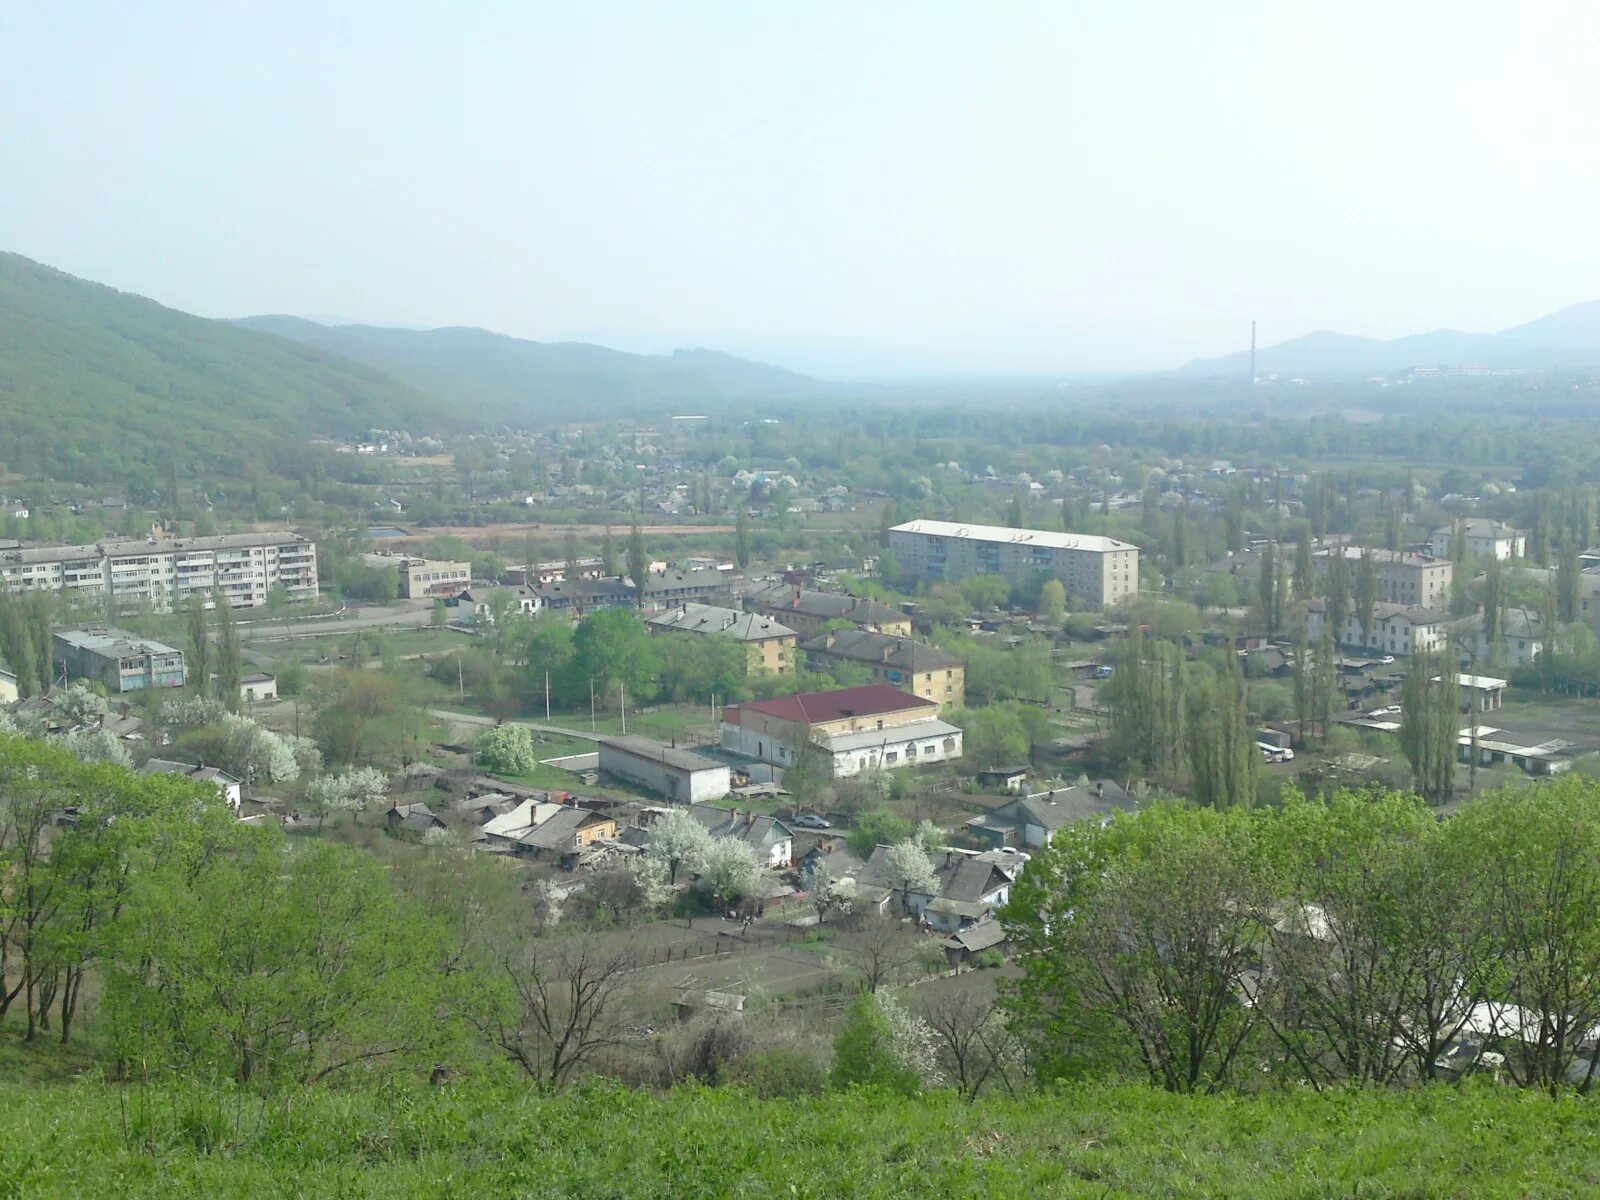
[[1034, 819], [769, 646], [411, 820], [1420, 579], [228, 787], [769, 837], [682, 776], [545, 828], [163, 573], [856, 729], [8, 687], [482, 603], [1397, 629], [662, 589], [806, 610], [122, 661], [1099, 571], [1518, 641], [911, 666], [1484, 538], [967, 889], [422, 578]]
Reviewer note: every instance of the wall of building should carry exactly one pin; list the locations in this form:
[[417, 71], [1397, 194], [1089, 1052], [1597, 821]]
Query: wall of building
[[1098, 577], [677, 784]]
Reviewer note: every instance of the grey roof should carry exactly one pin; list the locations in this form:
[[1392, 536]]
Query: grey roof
[[968, 880], [977, 937], [557, 832], [881, 649], [114, 643], [891, 735], [1054, 809], [1415, 614], [826, 606], [658, 752], [759, 833], [198, 771], [133, 547], [727, 622]]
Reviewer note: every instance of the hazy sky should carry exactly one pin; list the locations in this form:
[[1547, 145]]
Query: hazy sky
[[1028, 185]]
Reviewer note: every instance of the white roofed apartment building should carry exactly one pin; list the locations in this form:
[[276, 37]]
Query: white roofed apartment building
[[1099, 571]]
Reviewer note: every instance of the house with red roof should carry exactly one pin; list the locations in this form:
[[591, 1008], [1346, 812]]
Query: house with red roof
[[858, 729]]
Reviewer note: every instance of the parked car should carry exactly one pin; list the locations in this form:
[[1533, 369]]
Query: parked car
[[1104, 672], [811, 821], [1387, 660]]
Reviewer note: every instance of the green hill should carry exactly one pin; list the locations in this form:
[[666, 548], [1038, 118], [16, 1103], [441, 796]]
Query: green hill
[[97, 384], [476, 1140], [510, 380]]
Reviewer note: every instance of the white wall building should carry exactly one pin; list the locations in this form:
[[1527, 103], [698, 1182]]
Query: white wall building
[[164, 573], [1099, 570]]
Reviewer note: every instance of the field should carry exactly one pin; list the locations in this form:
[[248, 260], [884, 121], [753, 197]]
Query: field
[[478, 1139]]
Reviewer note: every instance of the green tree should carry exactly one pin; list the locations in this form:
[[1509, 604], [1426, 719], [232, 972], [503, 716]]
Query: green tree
[[638, 562], [864, 1053], [229, 668], [1430, 725], [199, 645], [1223, 755], [609, 565], [1052, 600], [1366, 595], [741, 538], [874, 827], [613, 648]]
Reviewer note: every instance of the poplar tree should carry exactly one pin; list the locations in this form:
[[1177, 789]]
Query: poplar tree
[[1430, 725], [1366, 594], [199, 646], [229, 671]]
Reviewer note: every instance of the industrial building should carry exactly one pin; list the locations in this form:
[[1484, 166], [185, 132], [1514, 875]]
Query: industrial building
[[1098, 571], [682, 776]]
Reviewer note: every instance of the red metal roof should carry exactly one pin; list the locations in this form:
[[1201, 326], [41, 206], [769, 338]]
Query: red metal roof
[[815, 707]]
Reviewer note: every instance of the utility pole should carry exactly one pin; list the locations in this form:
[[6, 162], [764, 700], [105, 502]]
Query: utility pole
[[591, 704], [622, 704], [547, 697]]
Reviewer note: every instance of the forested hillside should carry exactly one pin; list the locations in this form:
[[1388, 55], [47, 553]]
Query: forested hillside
[[95, 383], [514, 381]]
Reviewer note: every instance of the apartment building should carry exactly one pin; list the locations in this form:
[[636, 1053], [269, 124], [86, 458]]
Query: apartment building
[[1484, 539], [1098, 571], [164, 573], [914, 667], [123, 662], [1421, 579], [769, 646], [1397, 629], [806, 610]]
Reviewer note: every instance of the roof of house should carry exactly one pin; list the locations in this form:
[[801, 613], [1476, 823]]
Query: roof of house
[[199, 771], [882, 649], [257, 677], [825, 606], [1414, 614], [1062, 806], [977, 937], [557, 831], [757, 830], [1002, 533], [963, 879], [813, 708], [727, 622], [415, 815], [1480, 527], [671, 581], [659, 752]]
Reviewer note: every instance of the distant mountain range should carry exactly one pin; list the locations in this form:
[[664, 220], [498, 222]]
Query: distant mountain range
[[1568, 339], [507, 380], [96, 383]]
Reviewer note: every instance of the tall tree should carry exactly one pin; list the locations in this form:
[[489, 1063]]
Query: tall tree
[[741, 538], [1366, 594], [1302, 565], [1569, 582], [572, 570], [1430, 725], [1267, 588], [608, 554], [638, 562], [229, 667], [1223, 755]]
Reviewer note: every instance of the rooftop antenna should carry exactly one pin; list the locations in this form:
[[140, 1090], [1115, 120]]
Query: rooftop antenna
[[1252, 353]]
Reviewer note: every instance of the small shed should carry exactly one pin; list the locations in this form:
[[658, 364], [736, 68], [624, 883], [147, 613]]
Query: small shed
[[257, 687], [1005, 779], [682, 776]]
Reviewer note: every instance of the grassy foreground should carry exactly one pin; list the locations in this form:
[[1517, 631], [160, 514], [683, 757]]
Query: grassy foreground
[[478, 1141]]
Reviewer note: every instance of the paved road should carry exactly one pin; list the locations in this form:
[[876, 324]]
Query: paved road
[[461, 718], [347, 622]]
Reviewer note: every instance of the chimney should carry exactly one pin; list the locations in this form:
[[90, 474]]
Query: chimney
[[749, 818], [1100, 787], [949, 857]]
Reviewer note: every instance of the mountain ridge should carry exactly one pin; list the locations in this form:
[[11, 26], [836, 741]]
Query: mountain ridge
[[502, 376], [1568, 337]]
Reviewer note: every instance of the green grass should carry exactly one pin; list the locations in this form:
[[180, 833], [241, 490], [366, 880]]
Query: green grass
[[475, 1140]]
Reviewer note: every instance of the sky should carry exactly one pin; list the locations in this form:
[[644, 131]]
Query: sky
[[848, 187]]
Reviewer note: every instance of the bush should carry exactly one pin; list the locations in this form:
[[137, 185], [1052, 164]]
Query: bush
[[988, 959], [779, 1071], [508, 749]]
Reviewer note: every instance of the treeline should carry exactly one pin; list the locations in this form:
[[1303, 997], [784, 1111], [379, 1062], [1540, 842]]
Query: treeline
[[1356, 940]]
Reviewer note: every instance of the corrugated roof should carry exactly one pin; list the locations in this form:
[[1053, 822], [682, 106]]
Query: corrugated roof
[[1002, 533]]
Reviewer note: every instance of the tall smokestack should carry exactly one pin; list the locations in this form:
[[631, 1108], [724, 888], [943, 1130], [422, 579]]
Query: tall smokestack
[[1252, 353]]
